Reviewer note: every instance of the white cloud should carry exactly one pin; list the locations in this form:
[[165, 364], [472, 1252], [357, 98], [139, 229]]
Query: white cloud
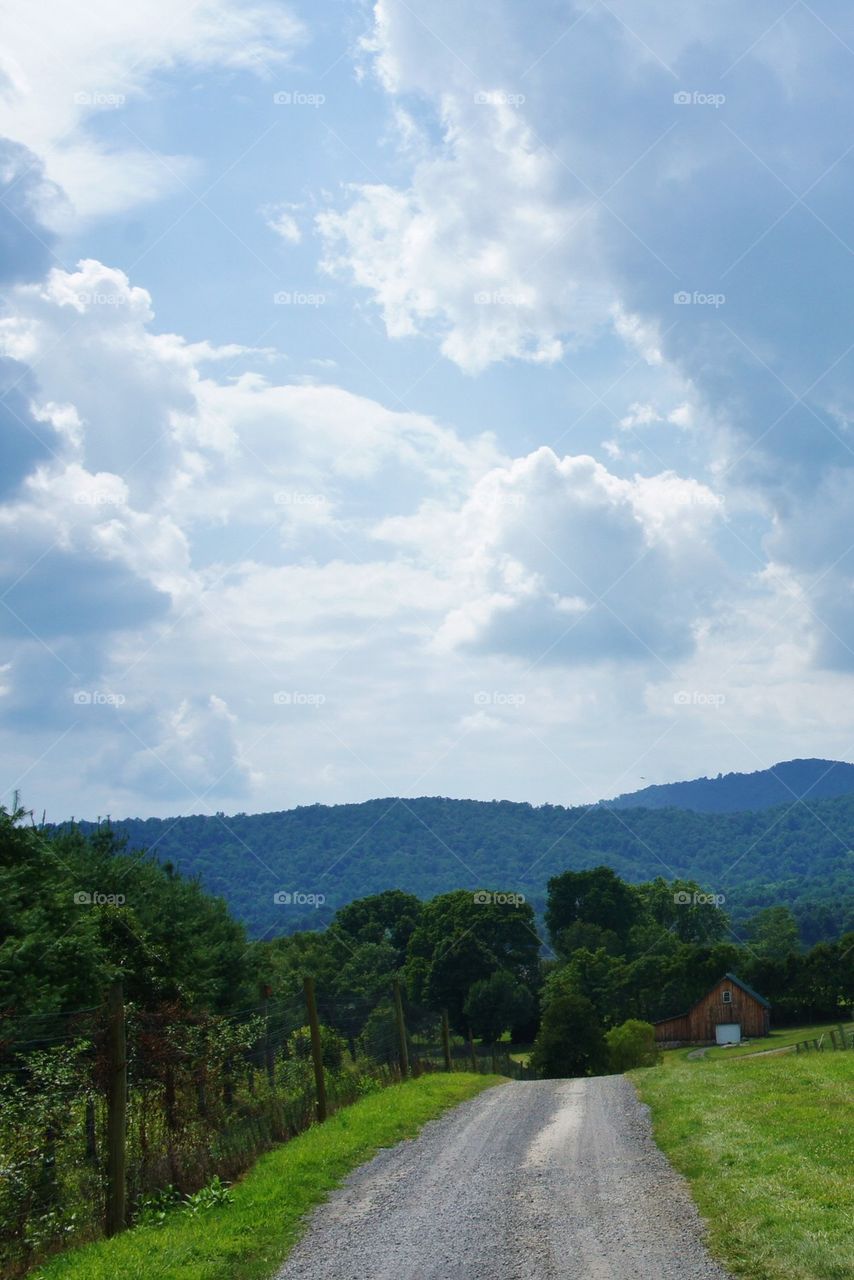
[[559, 560], [67, 64], [280, 218], [193, 752], [468, 250]]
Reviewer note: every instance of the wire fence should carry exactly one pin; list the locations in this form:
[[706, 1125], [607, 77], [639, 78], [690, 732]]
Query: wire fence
[[110, 1114]]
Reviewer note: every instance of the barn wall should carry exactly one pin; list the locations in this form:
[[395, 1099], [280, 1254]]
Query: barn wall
[[698, 1025]]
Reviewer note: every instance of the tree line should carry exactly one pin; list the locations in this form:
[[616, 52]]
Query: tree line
[[795, 856]]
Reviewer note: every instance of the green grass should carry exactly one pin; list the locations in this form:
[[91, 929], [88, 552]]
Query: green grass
[[768, 1147], [250, 1238]]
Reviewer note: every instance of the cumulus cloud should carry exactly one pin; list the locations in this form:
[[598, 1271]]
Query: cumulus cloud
[[467, 251], [562, 561]]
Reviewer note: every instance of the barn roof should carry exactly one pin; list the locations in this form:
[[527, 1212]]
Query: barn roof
[[749, 990], [731, 977]]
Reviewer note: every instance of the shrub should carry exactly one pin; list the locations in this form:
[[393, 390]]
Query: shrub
[[332, 1046], [632, 1044]]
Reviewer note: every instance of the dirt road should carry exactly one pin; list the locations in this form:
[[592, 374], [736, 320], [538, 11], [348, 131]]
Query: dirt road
[[534, 1180]]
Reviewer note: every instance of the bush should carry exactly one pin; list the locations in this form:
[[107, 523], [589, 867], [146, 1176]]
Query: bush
[[332, 1047], [632, 1044], [570, 1040]]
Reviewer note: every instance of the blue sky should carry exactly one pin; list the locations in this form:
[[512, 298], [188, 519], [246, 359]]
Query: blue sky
[[422, 399]]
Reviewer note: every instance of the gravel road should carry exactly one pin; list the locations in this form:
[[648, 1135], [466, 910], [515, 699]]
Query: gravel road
[[535, 1180]]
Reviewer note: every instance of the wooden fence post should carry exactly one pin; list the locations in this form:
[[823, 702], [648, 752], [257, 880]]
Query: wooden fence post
[[269, 1057], [316, 1047], [446, 1040], [117, 1098], [403, 1051], [472, 1053], [89, 1129]]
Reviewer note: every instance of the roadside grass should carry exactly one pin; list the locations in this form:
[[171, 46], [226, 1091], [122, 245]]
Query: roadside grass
[[250, 1238], [769, 1152]]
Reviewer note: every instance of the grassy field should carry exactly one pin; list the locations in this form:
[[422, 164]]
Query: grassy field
[[768, 1147], [248, 1239]]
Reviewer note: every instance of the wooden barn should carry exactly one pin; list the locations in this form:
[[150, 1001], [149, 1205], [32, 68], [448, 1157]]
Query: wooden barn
[[730, 1012]]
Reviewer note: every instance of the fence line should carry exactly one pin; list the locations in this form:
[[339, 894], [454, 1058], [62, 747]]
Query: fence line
[[840, 1038], [122, 1108]]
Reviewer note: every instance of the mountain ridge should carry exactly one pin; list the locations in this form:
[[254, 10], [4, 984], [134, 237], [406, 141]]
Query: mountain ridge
[[292, 869], [786, 781]]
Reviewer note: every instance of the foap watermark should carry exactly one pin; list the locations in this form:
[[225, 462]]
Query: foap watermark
[[98, 698], [85, 899], [699, 698], [286, 898], [498, 98], [297, 98], [297, 298], [298, 698], [697, 98], [98, 98], [497, 698], [499, 298], [507, 500], [99, 299], [99, 498], [684, 899], [483, 898], [298, 498], [698, 299]]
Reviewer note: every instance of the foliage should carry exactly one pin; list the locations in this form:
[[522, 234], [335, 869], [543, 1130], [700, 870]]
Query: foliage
[[332, 1046], [57, 952], [153, 1208], [464, 937], [212, 1196], [570, 1040], [632, 1044], [773, 933], [597, 897], [798, 854], [495, 1004], [248, 1238]]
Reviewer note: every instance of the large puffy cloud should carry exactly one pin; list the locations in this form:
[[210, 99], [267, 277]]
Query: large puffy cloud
[[468, 250], [562, 561], [61, 72]]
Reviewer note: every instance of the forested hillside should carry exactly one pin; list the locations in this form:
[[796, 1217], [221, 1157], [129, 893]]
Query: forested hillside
[[731, 792], [799, 854]]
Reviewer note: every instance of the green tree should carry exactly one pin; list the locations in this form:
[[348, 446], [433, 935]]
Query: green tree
[[773, 933], [384, 918], [463, 937], [495, 1004], [689, 912], [570, 1041], [596, 897]]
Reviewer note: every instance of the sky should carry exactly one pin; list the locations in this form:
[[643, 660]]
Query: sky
[[439, 398]]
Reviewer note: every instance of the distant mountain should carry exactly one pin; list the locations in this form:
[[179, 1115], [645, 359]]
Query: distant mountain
[[734, 792], [273, 868]]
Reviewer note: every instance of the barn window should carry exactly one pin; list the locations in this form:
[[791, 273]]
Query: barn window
[[726, 996]]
